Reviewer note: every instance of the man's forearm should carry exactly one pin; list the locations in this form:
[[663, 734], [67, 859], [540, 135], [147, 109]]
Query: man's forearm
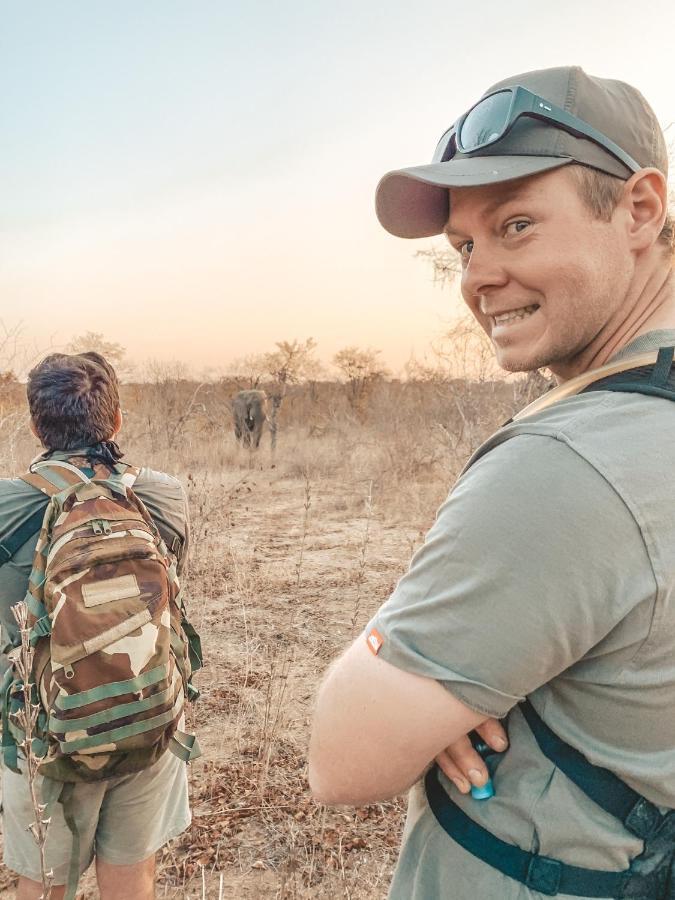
[[377, 727]]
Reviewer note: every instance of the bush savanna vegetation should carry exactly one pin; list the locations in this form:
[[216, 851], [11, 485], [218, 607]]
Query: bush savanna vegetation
[[293, 550]]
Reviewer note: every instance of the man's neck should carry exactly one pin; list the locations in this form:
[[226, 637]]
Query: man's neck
[[650, 307]]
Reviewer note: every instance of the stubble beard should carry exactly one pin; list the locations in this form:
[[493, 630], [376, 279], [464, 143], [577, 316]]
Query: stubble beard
[[566, 347]]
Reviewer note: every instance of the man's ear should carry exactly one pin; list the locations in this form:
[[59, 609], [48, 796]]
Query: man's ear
[[645, 199], [117, 426]]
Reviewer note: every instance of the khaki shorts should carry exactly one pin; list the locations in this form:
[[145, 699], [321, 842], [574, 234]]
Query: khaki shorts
[[121, 820]]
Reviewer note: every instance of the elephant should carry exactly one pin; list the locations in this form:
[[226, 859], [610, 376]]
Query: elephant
[[249, 410]]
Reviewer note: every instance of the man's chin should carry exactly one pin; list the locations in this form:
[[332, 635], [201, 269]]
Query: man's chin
[[512, 362]]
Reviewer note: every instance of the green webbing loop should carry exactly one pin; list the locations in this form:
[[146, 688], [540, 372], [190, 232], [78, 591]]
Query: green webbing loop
[[192, 692], [42, 628], [66, 800], [50, 791], [114, 689], [185, 746], [194, 645]]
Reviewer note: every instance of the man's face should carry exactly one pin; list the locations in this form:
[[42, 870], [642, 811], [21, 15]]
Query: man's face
[[542, 276]]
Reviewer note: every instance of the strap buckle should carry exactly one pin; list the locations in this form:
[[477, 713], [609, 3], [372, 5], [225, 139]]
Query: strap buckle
[[644, 819], [544, 874]]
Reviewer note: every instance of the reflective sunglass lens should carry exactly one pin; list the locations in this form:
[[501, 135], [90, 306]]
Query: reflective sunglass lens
[[486, 122]]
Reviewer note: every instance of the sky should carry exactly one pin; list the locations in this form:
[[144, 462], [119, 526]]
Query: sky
[[195, 179]]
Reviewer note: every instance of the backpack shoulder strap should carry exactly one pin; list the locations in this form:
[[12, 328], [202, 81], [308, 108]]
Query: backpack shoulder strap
[[657, 380], [596, 380], [59, 475], [23, 533], [50, 477]]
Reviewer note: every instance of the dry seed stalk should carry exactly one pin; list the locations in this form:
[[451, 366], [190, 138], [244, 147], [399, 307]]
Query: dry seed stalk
[[305, 528], [361, 573], [27, 718]]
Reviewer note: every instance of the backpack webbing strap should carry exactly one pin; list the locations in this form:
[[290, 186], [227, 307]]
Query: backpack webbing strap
[[67, 801], [540, 873], [656, 380], [112, 689], [634, 811], [114, 735], [57, 478], [59, 725], [663, 367], [24, 532]]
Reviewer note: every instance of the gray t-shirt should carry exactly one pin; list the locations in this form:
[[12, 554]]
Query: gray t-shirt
[[549, 573], [162, 494]]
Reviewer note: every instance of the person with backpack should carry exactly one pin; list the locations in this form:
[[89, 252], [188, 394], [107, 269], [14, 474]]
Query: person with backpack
[[521, 677], [95, 548]]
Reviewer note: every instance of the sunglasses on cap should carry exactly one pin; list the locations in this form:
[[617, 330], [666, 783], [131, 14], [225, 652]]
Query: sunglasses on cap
[[491, 119]]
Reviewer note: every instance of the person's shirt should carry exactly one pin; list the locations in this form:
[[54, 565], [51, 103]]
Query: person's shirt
[[549, 573], [162, 494]]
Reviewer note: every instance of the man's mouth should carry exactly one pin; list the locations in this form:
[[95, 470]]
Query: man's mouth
[[514, 315]]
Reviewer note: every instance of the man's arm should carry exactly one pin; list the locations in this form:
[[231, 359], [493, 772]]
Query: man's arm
[[377, 727], [166, 501]]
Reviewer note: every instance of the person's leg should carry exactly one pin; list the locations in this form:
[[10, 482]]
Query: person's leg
[[139, 814], [32, 890], [21, 853], [134, 882]]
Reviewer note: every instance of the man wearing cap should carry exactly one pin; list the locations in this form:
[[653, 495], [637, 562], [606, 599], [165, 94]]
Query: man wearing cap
[[545, 590]]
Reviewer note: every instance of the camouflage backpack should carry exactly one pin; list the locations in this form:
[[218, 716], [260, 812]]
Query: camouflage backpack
[[114, 653]]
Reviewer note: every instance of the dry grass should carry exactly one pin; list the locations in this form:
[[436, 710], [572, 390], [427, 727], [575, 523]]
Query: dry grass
[[289, 557]]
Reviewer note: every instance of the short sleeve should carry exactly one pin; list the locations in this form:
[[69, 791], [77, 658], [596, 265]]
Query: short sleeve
[[533, 559], [165, 499]]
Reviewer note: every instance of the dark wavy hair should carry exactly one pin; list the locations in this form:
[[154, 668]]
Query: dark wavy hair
[[73, 400]]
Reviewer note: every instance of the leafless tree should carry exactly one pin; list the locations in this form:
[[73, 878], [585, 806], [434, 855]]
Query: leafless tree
[[94, 341], [248, 372], [289, 364], [360, 368]]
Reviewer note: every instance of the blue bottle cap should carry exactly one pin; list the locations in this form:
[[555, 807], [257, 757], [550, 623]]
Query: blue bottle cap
[[484, 792]]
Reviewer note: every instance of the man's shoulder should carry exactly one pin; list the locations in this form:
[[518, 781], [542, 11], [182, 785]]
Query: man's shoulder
[[598, 422], [18, 502], [15, 491], [156, 481], [605, 438], [165, 498]]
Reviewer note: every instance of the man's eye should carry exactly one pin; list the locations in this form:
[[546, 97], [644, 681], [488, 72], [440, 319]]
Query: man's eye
[[517, 227], [465, 249]]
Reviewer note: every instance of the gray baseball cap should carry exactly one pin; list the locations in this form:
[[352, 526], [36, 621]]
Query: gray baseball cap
[[415, 202]]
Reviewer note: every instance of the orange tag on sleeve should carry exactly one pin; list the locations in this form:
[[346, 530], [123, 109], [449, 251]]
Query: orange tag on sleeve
[[374, 641]]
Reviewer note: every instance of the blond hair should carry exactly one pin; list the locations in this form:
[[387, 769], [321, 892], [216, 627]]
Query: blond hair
[[601, 193]]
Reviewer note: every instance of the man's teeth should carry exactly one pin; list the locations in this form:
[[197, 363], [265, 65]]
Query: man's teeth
[[515, 314]]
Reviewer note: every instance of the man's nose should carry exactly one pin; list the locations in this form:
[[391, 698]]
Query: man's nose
[[483, 272]]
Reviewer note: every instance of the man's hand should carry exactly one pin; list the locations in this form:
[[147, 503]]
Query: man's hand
[[463, 765]]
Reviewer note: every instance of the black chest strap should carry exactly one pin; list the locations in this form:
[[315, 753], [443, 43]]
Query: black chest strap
[[540, 873], [641, 817]]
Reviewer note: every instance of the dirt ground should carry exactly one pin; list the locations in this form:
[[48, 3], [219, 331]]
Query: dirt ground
[[287, 564]]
